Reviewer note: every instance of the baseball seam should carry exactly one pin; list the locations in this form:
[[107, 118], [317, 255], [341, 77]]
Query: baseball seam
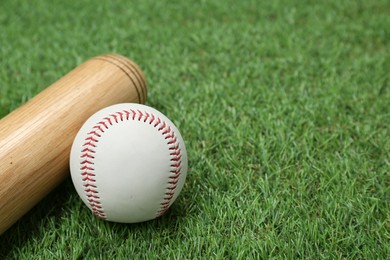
[[91, 143]]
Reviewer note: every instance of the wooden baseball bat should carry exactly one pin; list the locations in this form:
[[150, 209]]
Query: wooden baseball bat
[[35, 139]]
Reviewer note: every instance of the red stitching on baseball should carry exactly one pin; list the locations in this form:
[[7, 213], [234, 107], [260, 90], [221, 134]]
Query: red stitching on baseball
[[87, 150], [172, 187], [146, 116], [120, 115], [88, 176], [99, 128], [133, 113], [167, 131], [175, 153], [151, 119], [162, 127], [87, 172], [86, 162], [92, 200], [115, 118], [88, 179], [108, 120], [89, 144], [86, 168], [95, 133], [87, 155], [176, 171], [140, 115], [158, 122], [174, 177], [104, 124], [90, 185], [176, 165], [176, 158], [127, 114]]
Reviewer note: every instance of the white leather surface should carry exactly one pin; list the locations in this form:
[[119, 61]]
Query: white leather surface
[[129, 162]]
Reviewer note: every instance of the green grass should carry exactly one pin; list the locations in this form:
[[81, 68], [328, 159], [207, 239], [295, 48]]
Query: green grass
[[284, 106]]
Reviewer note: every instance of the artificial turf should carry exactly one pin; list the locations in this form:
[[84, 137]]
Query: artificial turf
[[284, 107]]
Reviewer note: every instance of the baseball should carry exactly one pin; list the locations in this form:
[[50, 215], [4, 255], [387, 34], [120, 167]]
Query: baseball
[[128, 163]]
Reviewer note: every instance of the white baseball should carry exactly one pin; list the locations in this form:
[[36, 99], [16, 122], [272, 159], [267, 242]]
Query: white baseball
[[128, 163]]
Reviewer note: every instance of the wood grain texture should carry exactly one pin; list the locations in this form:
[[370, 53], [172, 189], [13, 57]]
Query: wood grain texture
[[35, 139]]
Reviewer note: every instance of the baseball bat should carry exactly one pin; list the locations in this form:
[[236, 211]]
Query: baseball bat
[[35, 139]]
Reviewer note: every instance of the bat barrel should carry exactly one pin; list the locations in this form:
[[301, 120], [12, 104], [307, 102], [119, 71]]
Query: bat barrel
[[35, 139]]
